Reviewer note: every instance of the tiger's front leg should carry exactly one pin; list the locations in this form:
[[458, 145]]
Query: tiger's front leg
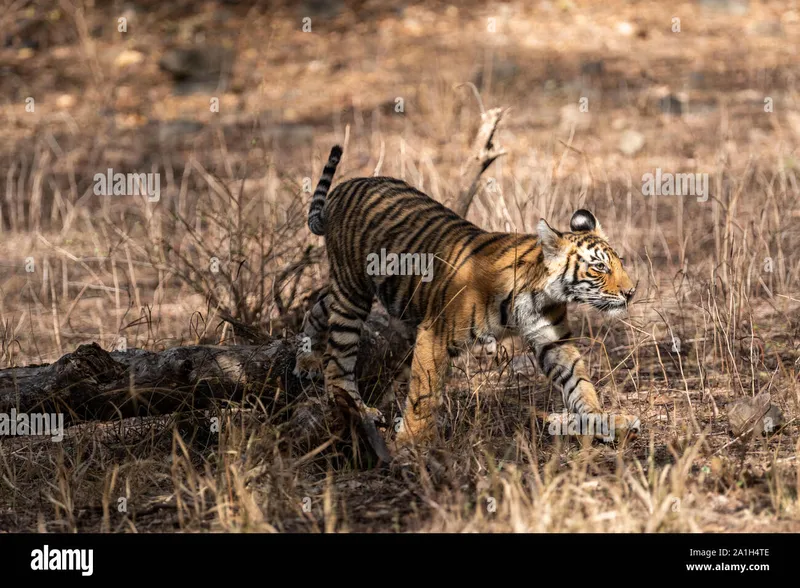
[[428, 371], [561, 362]]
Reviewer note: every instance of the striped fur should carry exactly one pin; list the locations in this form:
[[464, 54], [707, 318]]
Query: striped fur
[[482, 284], [316, 214]]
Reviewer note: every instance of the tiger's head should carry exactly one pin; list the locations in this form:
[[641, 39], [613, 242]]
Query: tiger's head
[[583, 266]]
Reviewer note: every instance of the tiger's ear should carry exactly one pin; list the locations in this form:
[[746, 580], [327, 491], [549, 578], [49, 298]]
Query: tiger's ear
[[551, 239], [585, 221]]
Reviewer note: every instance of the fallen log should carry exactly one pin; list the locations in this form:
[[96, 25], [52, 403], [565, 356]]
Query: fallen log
[[94, 384]]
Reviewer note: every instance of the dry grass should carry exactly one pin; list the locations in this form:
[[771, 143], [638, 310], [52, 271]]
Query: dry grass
[[716, 317]]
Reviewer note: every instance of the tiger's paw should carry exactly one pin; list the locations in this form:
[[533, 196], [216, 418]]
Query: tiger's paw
[[622, 427], [587, 428], [375, 416], [307, 364], [404, 443]]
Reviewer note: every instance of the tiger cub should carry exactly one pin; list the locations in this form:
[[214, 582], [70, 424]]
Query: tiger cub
[[457, 284]]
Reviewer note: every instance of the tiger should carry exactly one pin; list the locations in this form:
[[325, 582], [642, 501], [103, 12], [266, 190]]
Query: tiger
[[480, 285]]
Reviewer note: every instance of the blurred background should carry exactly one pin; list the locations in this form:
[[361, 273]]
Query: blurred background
[[234, 104]]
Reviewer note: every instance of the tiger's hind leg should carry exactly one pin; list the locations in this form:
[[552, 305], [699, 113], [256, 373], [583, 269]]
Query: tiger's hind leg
[[346, 316], [311, 342]]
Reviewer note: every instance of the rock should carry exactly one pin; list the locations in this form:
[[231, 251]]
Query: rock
[[127, 58], [756, 412], [631, 142]]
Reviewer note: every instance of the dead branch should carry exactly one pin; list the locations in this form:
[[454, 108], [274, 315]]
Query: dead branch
[[484, 152]]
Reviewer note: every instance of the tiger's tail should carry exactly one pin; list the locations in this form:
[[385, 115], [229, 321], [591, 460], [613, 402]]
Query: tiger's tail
[[316, 212]]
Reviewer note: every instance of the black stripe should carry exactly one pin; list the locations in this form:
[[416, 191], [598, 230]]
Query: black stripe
[[345, 280], [590, 282], [315, 322], [562, 380], [516, 242], [566, 269], [345, 199], [520, 260], [451, 236], [342, 194], [349, 194], [431, 222], [490, 241], [549, 308], [542, 351], [342, 348], [415, 403], [504, 309], [534, 298], [578, 381], [340, 328], [390, 213], [339, 365], [345, 314], [390, 233], [411, 284], [472, 334], [381, 215]]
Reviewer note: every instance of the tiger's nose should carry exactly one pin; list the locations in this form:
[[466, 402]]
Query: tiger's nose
[[628, 294]]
